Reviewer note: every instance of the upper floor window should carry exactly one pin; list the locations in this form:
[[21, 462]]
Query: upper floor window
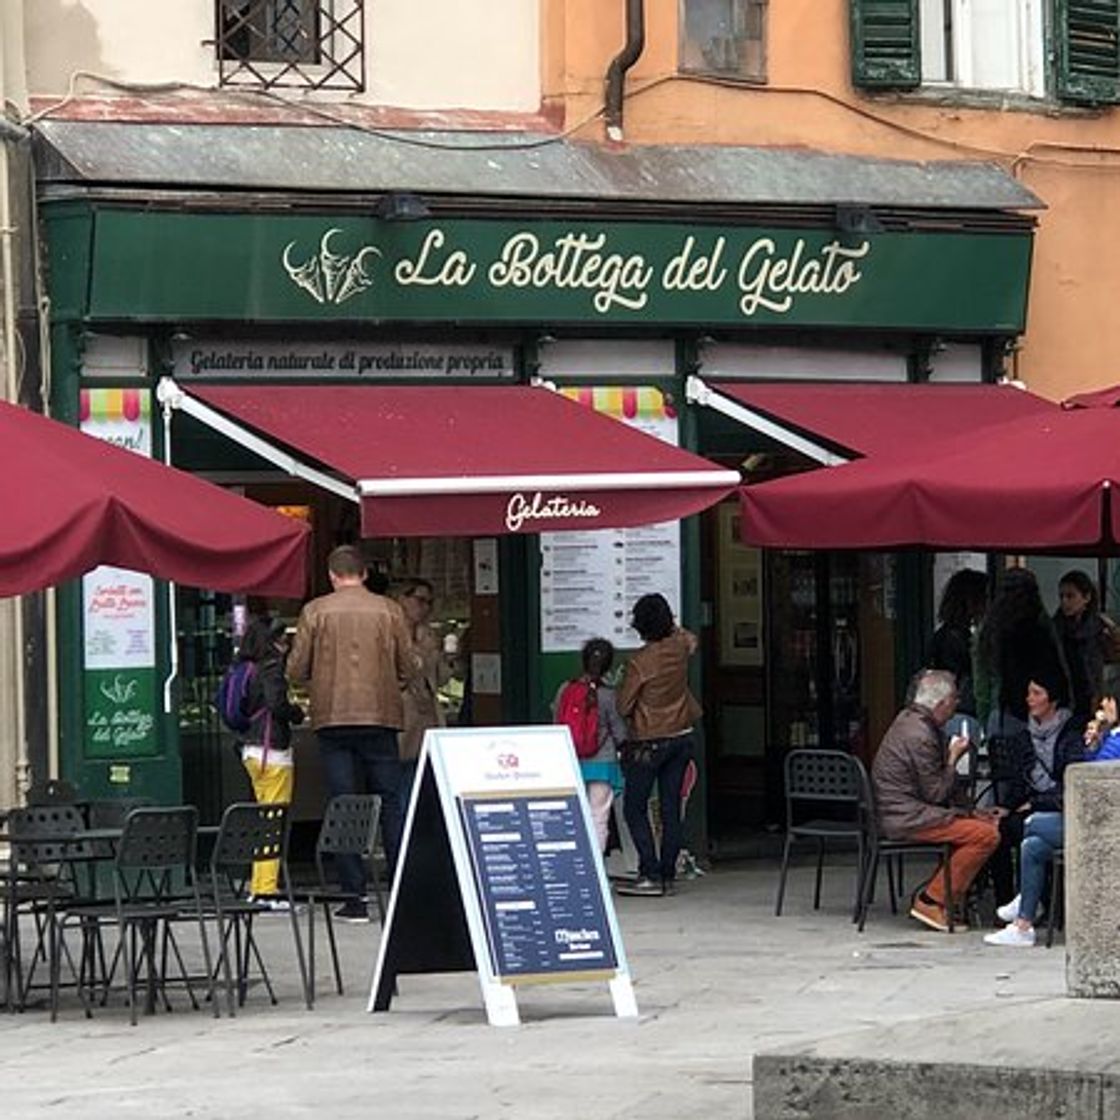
[[726, 38], [990, 45], [313, 44], [983, 44]]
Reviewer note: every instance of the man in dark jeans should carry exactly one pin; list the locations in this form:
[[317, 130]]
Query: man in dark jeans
[[353, 647]]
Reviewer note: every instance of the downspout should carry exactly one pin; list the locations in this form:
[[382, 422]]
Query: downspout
[[616, 72]]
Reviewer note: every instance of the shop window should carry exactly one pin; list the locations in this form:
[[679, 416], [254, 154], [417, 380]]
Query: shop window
[[989, 45], [310, 44], [725, 38]]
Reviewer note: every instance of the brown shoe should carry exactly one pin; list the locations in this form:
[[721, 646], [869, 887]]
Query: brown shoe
[[929, 913]]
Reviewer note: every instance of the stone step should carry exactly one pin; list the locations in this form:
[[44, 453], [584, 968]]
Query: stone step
[[1034, 1061]]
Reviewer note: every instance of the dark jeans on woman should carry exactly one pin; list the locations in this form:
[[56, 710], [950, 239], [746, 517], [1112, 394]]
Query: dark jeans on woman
[[662, 761], [371, 752]]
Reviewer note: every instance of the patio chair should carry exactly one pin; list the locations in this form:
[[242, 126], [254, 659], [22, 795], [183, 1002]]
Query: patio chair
[[154, 887], [1055, 901], [40, 881], [349, 828], [878, 847], [820, 782], [249, 831]]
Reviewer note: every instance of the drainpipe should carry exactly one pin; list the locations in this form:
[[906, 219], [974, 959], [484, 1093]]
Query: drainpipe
[[616, 72]]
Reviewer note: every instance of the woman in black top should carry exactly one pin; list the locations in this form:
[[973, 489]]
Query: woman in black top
[[1081, 630], [1017, 640], [266, 752], [963, 603]]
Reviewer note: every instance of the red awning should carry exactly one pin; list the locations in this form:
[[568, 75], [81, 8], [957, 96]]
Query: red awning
[[441, 460], [881, 418], [1043, 483], [72, 502]]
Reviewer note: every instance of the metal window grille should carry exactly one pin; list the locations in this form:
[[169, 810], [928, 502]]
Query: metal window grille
[[306, 44]]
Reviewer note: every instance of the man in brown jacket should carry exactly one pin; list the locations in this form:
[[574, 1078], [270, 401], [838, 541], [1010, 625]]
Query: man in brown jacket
[[914, 775], [354, 648]]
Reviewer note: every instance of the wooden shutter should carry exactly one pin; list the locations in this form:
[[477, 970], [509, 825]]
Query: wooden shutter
[[1088, 41], [886, 47]]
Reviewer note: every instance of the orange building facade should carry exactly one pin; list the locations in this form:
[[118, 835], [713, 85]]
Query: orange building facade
[[782, 74]]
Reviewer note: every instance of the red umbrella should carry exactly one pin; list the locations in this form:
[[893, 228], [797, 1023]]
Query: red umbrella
[[1045, 483], [1108, 397], [72, 502]]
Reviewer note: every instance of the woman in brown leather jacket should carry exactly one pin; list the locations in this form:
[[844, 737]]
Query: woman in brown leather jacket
[[660, 713]]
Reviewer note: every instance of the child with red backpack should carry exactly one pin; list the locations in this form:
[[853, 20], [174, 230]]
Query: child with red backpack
[[586, 705]]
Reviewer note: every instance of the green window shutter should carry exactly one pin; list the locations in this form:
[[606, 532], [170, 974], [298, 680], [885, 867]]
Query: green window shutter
[[886, 48], [1088, 40]]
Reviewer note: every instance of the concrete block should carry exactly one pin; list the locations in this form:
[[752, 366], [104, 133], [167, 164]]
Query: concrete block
[[808, 1087], [1092, 856]]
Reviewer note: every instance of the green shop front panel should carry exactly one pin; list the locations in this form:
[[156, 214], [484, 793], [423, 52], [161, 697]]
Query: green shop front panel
[[151, 265]]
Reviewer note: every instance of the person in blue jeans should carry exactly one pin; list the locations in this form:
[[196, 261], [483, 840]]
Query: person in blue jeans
[[1043, 835], [660, 714], [354, 650]]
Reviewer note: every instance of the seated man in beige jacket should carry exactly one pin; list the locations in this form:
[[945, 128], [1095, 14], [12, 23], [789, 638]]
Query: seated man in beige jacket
[[354, 649]]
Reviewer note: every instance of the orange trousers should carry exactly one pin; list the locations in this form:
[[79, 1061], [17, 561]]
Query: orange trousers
[[973, 841]]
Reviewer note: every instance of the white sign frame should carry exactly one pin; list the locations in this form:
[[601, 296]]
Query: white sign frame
[[476, 762]]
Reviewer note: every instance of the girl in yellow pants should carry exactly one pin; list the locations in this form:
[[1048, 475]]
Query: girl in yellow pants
[[266, 752]]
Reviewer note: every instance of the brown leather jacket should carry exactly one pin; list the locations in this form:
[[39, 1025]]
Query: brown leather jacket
[[353, 647], [914, 783], [654, 697]]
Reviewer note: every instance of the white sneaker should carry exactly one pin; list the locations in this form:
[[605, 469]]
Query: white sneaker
[[1009, 911], [1012, 937]]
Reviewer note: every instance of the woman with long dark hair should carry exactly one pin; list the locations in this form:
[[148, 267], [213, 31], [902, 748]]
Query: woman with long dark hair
[[1081, 630], [963, 603], [266, 751], [1017, 640]]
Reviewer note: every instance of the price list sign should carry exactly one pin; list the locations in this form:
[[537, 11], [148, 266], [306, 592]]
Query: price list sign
[[536, 875], [500, 873]]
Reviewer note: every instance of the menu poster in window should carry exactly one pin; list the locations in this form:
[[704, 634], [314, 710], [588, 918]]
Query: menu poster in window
[[500, 870], [591, 580], [739, 607], [118, 607]]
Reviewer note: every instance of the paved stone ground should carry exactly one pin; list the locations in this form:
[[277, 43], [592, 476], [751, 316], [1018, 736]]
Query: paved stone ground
[[718, 978]]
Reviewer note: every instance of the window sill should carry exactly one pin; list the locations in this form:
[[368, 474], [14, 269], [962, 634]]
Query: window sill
[[722, 76], [1000, 100]]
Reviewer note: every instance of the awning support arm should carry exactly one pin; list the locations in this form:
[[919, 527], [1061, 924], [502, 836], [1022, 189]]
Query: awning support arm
[[699, 392], [170, 394]]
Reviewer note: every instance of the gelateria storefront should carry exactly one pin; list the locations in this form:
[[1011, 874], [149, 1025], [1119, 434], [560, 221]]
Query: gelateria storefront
[[528, 415]]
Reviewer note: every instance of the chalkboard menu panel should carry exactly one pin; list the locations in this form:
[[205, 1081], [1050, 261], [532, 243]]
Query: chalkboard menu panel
[[535, 870]]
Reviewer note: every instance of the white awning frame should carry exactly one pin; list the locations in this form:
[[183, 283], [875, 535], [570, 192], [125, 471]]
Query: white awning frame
[[697, 391], [170, 393]]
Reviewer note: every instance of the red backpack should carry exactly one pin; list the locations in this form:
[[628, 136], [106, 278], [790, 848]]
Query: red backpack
[[578, 708]]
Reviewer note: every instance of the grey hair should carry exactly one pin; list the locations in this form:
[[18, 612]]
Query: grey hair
[[933, 687]]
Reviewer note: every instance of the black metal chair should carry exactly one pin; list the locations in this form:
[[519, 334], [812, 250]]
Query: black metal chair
[[40, 881], [819, 781], [1055, 902], [349, 828], [155, 886], [878, 847], [250, 831]]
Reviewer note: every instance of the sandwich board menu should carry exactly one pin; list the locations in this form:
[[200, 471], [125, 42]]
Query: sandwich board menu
[[500, 872]]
